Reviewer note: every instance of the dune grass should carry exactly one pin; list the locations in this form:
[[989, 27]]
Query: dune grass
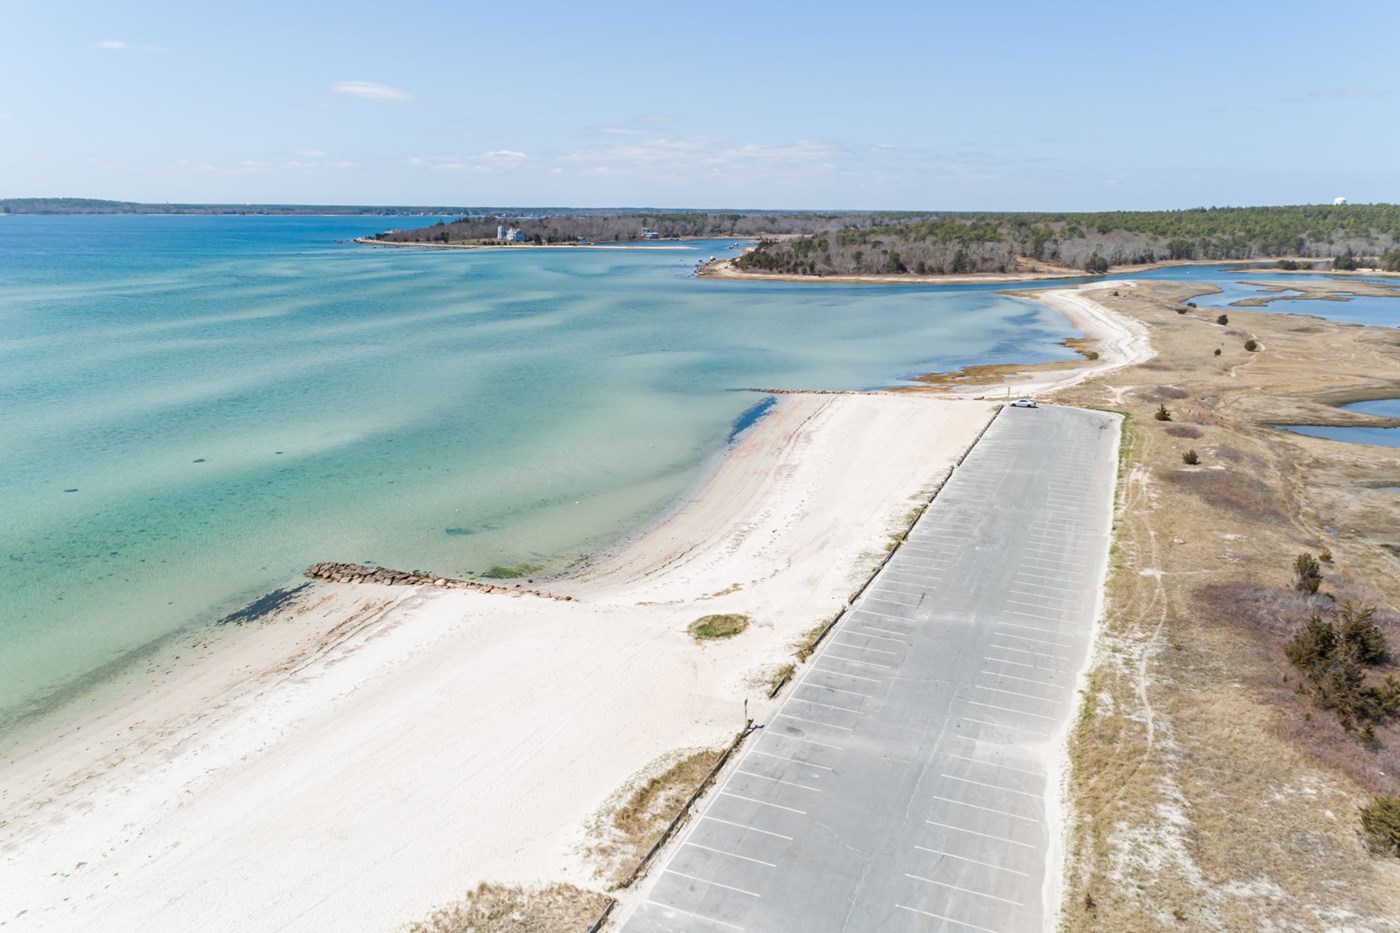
[[499, 908]]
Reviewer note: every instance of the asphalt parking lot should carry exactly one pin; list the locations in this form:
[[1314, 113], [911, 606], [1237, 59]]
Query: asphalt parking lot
[[903, 783]]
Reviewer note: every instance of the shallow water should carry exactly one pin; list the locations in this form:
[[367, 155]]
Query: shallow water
[[1237, 286], [1375, 437]]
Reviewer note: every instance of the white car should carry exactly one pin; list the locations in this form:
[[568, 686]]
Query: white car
[[1024, 403]]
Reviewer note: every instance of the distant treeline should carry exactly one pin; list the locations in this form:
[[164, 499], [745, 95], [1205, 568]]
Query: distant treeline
[[964, 243], [623, 227], [97, 206]]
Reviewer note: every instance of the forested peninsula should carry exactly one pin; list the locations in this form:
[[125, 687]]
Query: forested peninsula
[[1344, 236]]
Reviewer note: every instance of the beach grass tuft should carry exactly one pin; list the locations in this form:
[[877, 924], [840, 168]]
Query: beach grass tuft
[[500, 908], [633, 822], [713, 627]]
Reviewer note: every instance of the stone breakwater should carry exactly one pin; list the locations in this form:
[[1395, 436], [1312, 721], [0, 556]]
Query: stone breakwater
[[332, 572]]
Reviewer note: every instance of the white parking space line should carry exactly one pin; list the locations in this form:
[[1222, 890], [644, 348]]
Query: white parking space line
[[1025, 605], [921, 586], [867, 648], [993, 786], [844, 709], [798, 738], [943, 884], [1024, 680], [1066, 577], [883, 615], [776, 806], [1059, 594], [1034, 667], [865, 633], [691, 913], [1015, 712], [974, 832], [1039, 641], [961, 923], [842, 657], [756, 861], [1002, 725], [764, 777], [964, 858], [798, 761], [875, 596], [827, 670], [817, 686], [1032, 615], [997, 764], [727, 887], [812, 722], [1027, 628], [715, 819], [964, 803], [1016, 693], [1034, 654]]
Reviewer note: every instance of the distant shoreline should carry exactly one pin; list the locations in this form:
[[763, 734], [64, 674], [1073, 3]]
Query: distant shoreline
[[370, 241]]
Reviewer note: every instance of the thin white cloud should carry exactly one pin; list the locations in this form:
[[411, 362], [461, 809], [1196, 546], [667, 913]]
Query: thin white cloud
[[638, 126], [368, 90], [118, 45], [1352, 93], [500, 160], [313, 153]]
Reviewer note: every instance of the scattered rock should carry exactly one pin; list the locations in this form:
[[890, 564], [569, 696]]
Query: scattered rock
[[360, 573]]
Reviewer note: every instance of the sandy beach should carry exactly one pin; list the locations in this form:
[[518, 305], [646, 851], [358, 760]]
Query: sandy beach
[[379, 751], [373, 752]]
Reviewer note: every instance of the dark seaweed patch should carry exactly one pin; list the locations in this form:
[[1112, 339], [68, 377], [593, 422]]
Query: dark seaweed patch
[[263, 606]]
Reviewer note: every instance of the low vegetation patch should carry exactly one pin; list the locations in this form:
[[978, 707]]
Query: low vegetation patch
[[1183, 430], [710, 628], [634, 821], [1238, 492], [810, 639], [496, 908]]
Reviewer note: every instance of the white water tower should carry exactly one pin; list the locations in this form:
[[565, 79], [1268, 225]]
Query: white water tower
[[1338, 202]]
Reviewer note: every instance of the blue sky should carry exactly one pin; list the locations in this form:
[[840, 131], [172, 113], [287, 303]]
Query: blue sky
[[879, 105]]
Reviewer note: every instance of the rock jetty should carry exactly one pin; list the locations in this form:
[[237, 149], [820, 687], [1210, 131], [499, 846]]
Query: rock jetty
[[332, 572]]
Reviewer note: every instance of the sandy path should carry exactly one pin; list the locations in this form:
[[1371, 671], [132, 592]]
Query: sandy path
[[384, 750]]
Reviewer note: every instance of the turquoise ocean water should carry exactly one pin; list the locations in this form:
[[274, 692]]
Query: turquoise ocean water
[[197, 408]]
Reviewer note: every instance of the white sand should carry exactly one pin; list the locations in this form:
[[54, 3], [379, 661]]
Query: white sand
[[1120, 341], [383, 750]]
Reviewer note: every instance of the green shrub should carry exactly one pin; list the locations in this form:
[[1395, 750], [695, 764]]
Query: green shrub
[[1251, 345], [1217, 351], [1223, 319], [1190, 458], [1380, 821], [1162, 413], [1311, 648], [1307, 573], [1360, 634]]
